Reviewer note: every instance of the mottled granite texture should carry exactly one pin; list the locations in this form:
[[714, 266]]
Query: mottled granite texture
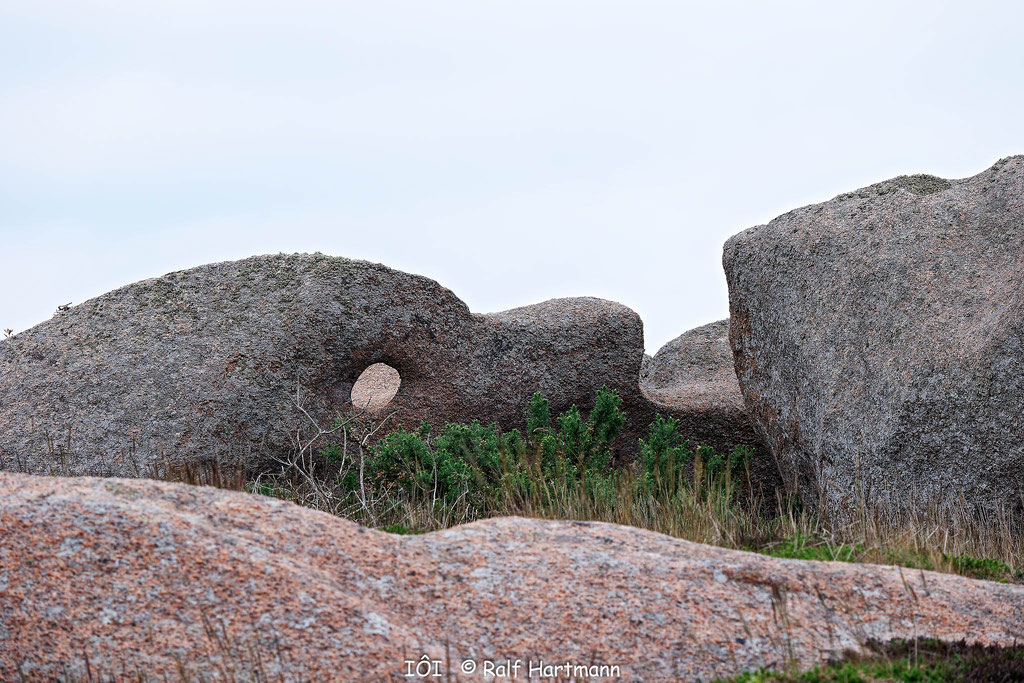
[[168, 578], [207, 364], [879, 342]]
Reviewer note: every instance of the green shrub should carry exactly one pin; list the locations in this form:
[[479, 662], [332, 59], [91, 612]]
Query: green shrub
[[485, 468], [664, 455], [576, 446], [718, 465], [405, 459]]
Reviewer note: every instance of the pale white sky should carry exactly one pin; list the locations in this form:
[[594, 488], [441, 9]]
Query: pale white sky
[[514, 151]]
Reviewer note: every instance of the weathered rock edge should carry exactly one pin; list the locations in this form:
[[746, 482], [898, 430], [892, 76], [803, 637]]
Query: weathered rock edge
[[134, 572], [879, 343]]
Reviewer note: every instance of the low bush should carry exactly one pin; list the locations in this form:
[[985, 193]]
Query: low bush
[[488, 472]]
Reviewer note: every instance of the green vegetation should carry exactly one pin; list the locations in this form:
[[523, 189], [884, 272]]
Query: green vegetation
[[984, 568], [923, 661], [400, 530], [484, 472], [800, 547], [563, 467]]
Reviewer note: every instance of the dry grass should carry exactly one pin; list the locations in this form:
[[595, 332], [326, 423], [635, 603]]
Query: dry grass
[[953, 538]]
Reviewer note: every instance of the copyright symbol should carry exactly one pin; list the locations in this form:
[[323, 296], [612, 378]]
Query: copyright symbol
[[468, 666]]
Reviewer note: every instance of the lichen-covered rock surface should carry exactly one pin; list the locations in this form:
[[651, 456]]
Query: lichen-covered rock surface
[[879, 341], [209, 363], [170, 579]]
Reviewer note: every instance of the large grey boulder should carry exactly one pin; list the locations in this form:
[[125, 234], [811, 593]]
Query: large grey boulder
[[879, 341], [212, 363]]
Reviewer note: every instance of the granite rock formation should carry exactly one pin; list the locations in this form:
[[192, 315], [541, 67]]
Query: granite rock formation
[[693, 379], [177, 580], [212, 363], [879, 341]]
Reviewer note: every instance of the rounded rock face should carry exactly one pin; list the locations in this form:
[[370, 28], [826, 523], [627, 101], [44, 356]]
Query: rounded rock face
[[879, 341], [175, 580], [209, 363], [693, 379]]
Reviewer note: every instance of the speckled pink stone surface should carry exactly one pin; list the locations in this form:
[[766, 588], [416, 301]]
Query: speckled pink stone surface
[[166, 579]]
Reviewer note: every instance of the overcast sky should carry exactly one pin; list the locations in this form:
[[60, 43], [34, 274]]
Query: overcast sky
[[514, 151]]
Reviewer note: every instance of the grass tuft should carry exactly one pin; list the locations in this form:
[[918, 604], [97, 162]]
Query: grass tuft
[[908, 661]]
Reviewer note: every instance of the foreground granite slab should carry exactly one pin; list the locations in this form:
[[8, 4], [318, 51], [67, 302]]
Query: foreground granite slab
[[124, 576]]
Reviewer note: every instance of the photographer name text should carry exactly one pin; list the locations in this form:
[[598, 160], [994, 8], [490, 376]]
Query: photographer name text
[[511, 669]]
